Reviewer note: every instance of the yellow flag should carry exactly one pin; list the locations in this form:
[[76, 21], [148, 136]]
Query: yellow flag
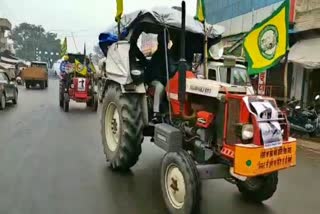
[[201, 11], [80, 68], [119, 10], [267, 42]]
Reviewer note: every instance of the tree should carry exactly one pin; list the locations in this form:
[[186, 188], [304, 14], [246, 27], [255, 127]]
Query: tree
[[31, 41]]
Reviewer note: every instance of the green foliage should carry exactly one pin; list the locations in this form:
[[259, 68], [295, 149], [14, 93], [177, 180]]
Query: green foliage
[[28, 38]]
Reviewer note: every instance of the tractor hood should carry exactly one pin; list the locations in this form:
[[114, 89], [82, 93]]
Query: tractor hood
[[211, 88]]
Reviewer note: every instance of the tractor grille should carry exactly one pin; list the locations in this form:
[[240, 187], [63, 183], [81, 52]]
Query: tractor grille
[[233, 118]]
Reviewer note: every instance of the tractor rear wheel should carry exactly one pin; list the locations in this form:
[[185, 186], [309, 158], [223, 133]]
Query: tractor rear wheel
[[90, 102], [180, 183], [259, 189], [66, 103], [61, 93], [95, 103], [121, 128]]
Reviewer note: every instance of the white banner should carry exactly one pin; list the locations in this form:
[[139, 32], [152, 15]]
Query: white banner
[[270, 130]]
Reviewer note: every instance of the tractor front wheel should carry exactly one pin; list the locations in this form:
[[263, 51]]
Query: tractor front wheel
[[259, 189], [180, 183], [121, 128]]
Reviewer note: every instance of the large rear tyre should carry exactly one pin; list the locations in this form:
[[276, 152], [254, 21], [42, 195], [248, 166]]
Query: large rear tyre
[[27, 85], [95, 104], [121, 128], [259, 189], [61, 93], [90, 103], [66, 106], [180, 183]]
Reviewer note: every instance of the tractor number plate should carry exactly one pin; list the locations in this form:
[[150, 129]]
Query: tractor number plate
[[253, 161]]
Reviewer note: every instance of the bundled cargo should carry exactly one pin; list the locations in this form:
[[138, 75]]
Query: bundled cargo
[[35, 75]]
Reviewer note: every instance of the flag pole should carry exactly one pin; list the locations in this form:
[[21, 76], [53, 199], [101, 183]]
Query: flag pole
[[285, 79], [205, 65], [119, 30]]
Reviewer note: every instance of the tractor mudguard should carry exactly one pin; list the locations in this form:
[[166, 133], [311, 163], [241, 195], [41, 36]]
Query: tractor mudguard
[[139, 89]]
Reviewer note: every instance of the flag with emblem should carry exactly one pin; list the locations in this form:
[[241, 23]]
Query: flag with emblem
[[80, 68], [64, 47], [267, 42], [119, 10], [201, 11]]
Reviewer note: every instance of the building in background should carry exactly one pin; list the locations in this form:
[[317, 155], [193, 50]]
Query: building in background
[[8, 61], [239, 16], [5, 26], [304, 56]]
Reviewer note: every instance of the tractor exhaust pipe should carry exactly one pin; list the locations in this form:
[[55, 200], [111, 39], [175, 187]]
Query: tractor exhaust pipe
[[183, 63], [183, 31]]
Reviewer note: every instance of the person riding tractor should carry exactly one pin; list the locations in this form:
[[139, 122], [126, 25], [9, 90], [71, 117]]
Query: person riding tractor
[[157, 76], [209, 129], [77, 81]]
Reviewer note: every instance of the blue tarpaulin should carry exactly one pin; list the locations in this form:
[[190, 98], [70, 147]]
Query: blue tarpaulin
[[108, 38]]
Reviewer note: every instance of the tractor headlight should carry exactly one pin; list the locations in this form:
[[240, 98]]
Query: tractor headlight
[[244, 131], [247, 132], [90, 87], [136, 72], [137, 76], [72, 86]]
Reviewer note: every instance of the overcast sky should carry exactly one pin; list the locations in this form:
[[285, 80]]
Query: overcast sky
[[85, 18]]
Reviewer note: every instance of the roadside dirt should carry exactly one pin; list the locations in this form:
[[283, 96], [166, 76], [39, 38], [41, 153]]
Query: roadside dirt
[[310, 144]]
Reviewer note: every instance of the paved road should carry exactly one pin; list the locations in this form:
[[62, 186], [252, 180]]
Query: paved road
[[52, 162]]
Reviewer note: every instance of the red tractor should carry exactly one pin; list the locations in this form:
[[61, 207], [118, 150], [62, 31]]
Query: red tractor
[[77, 86], [209, 129]]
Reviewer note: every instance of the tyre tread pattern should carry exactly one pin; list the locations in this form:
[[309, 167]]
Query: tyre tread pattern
[[263, 193], [132, 129], [192, 179]]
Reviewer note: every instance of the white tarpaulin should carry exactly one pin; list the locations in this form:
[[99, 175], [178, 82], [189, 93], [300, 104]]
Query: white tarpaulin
[[8, 60], [117, 63], [171, 17], [306, 53], [6, 66]]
